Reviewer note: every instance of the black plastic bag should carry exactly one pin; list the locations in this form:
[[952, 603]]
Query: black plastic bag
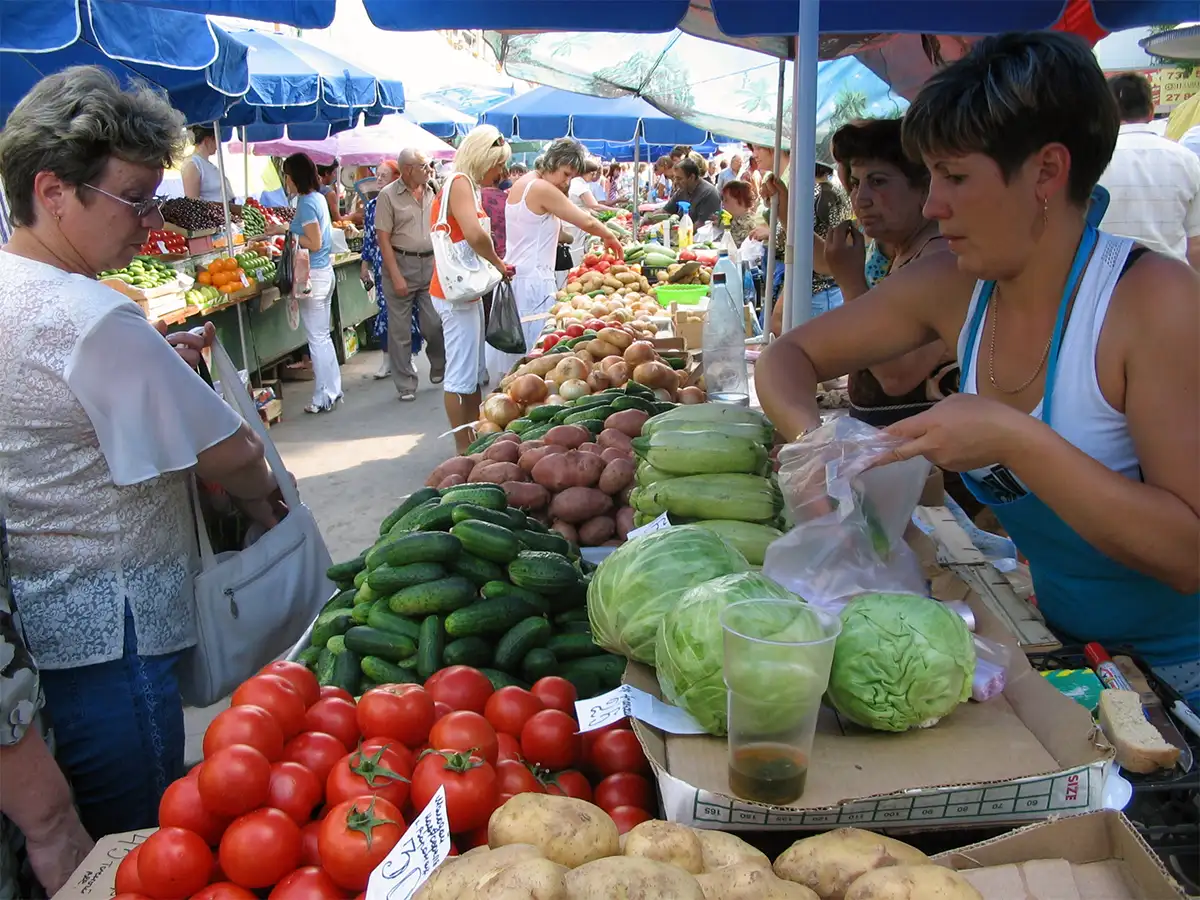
[[504, 330], [285, 273]]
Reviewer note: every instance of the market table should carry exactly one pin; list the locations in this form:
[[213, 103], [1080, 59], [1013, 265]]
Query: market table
[[352, 305]]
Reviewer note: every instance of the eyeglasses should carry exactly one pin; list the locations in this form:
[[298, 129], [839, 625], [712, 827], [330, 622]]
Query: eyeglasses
[[141, 209]]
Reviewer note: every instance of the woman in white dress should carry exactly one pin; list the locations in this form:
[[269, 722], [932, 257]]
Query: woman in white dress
[[201, 178]]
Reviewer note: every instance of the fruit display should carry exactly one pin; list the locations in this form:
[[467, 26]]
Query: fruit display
[[257, 266], [144, 272], [227, 275], [275, 215], [253, 221], [194, 215], [163, 242], [203, 297]]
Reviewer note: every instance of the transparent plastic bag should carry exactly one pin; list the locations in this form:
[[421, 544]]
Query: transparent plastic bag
[[849, 515], [751, 252], [991, 666]]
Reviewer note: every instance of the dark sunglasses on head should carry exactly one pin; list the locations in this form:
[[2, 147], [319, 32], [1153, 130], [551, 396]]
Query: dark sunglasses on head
[[499, 142]]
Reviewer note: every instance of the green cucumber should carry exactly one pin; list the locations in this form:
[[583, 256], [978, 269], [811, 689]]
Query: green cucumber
[[419, 547], [608, 668], [586, 683], [365, 595], [411, 502], [634, 389], [324, 667], [591, 414], [663, 407], [340, 600], [442, 596], [575, 628], [367, 641], [383, 619], [465, 512], [467, 651], [387, 579], [573, 646], [629, 401], [503, 679], [490, 496], [345, 571], [542, 572], [432, 646], [488, 617], [520, 425], [360, 579], [334, 622], [440, 518], [517, 518], [410, 520], [541, 414], [538, 431], [488, 541], [496, 590], [476, 570], [361, 613], [519, 640], [347, 671], [481, 443], [567, 616], [308, 657], [538, 663], [381, 671]]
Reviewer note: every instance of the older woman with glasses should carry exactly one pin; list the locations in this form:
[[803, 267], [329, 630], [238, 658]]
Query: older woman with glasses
[[103, 430]]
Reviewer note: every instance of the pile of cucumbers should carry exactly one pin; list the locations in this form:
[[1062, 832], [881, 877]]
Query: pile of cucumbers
[[458, 577]]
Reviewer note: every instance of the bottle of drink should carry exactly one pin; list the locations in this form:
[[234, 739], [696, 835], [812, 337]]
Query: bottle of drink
[[684, 231], [724, 356]]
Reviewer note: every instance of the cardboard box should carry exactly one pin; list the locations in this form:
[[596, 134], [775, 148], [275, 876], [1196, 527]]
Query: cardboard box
[[96, 876], [1024, 756], [1095, 856]]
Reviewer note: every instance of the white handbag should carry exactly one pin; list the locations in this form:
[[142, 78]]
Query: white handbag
[[463, 275], [253, 604]]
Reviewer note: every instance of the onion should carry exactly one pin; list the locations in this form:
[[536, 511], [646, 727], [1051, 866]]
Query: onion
[[656, 375], [663, 394], [608, 362], [571, 368], [585, 357], [598, 381], [500, 409], [640, 352], [691, 395], [574, 389], [599, 309], [554, 399], [486, 427], [528, 389], [618, 373]]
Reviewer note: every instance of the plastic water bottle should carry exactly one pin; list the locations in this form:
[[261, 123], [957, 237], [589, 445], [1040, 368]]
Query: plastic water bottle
[[684, 231], [725, 374]]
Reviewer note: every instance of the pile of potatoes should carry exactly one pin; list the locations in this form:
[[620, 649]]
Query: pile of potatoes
[[626, 297], [548, 847]]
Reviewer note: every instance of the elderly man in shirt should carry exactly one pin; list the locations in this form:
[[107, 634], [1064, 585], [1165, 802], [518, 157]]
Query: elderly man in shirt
[[1154, 183], [402, 224], [690, 187]]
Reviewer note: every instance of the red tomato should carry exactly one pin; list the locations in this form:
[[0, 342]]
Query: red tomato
[[619, 751], [510, 747], [588, 741], [316, 751], [173, 862], [332, 690], [304, 681], [234, 781], [249, 725], [470, 784], [440, 709], [590, 260], [128, 881], [628, 816], [391, 711], [460, 687], [602, 266], [357, 836], [549, 740], [624, 789], [295, 790], [224, 890], [308, 883], [510, 708], [333, 715], [309, 855], [555, 693], [549, 341], [514, 777], [181, 807], [465, 730], [574, 330], [381, 772], [128, 896], [571, 783], [408, 758], [277, 696], [260, 848]]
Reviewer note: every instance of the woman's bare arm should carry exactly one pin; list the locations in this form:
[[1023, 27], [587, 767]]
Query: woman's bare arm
[[310, 237], [554, 201]]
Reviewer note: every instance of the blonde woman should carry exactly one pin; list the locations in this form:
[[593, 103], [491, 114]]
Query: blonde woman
[[482, 157]]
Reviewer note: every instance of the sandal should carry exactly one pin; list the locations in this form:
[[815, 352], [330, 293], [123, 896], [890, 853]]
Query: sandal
[[313, 410], [408, 396]]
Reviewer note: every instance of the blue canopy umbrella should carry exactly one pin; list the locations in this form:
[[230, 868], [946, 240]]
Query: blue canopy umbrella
[[470, 99], [624, 152], [439, 120]]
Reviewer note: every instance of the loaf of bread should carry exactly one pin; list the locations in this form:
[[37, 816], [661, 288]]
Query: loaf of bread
[[1140, 748]]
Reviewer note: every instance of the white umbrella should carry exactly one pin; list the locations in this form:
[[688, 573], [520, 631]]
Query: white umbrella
[[364, 145]]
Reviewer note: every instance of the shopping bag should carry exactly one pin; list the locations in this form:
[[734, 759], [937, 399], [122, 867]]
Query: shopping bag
[[252, 604], [504, 330], [849, 513], [464, 276], [301, 282], [286, 271]]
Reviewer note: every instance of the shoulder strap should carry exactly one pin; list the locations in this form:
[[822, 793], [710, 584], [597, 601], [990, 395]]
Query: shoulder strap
[[444, 201]]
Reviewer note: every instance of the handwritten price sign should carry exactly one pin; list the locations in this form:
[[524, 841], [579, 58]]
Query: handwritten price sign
[[629, 701], [423, 848]]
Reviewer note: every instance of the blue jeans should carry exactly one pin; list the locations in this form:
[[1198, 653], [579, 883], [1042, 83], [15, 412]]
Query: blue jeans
[[824, 301], [120, 735]]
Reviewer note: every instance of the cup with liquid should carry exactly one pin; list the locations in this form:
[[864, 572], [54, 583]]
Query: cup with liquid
[[778, 653]]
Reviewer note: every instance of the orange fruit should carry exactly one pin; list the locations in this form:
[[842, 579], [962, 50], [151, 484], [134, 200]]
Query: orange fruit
[[227, 288], [204, 278], [239, 272]]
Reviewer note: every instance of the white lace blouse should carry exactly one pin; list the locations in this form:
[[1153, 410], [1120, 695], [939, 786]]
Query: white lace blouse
[[99, 424]]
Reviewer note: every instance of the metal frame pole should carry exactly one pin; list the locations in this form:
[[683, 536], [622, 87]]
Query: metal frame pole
[[804, 158], [637, 146], [773, 215], [232, 250]]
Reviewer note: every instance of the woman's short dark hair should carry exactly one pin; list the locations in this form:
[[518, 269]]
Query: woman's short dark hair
[[1013, 94], [739, 191], [1134, 96], [303, 173], [879, 139], [202, 132], [327, 170]]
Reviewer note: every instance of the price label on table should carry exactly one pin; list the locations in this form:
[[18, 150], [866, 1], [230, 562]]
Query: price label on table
[[424, 847], [245, 283], [657, 525], [627, 700]]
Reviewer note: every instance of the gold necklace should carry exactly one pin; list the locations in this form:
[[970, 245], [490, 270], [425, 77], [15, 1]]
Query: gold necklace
[[992, 351]]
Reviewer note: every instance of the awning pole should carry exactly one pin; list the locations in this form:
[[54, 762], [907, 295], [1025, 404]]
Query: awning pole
[[230, 248], [773, 216], [637, 144], [804, 162]]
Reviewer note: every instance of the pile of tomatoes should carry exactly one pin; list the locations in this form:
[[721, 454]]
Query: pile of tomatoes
[[303, 791]]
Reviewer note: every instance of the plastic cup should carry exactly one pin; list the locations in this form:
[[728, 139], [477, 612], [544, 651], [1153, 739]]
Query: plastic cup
[[777, 658]]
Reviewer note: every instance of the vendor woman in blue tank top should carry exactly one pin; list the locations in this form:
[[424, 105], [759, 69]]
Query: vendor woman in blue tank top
[[1078, 420]]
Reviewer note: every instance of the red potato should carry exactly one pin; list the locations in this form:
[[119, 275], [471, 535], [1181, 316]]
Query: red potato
[[503, 451], [560, 471], [590, 447], [531, 458], [509, 436], [450, 481], [578, 504], [595, 532], [497, 473], [624, 521], [626, 495], [628, 421], [526, 446], [569, 436], [475, 458], [617, 476], [613, 453], [567, 530], [458, 465], [526, 496], [610, 437]]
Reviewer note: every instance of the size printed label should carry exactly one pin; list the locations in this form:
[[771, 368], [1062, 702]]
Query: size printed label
[[424, 847], [629, 701], [657, 525]]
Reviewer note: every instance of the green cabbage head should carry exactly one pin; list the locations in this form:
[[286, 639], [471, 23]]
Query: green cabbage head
[[689, 646], [643, 579], [902, 661]]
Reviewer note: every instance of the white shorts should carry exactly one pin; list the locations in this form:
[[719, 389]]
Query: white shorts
[[462, 330]]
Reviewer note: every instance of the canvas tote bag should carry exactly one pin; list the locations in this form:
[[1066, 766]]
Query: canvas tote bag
[[252, 605], [464, 275]]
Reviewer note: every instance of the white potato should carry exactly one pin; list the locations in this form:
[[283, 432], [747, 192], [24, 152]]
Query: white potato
[[567, 831], [722, 849], [666, 842], [529, 879], [916, 882], [829, 863], [462, 873], [750, 881], [631, 878]]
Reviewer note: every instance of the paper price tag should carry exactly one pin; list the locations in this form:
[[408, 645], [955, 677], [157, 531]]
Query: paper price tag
[[600, 711], [245, 283], [424, 847], [162, 248], [629, 701], [657, 525]]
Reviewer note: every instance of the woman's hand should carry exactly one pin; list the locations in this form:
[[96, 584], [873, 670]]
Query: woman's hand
[[611, 242], [769, 187], [761, 233], [846, 254], [962, 432], [189, 344], [56, 852]]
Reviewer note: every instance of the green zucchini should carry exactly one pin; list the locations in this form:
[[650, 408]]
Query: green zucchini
[[477, 571], [381, 671], [464, 512], [367, 641], [503, 679], [551, 542], [387, 579], [491, 496], [442, 596], [328, 624], [488, 541], [519, 640], [495, 590], [345, 571], [538, 663], [340, 600], [542, 572], [411, 502], [573, 646], [383, 619], [419, 547], [487, 617], [467, 651], [431, 647]]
